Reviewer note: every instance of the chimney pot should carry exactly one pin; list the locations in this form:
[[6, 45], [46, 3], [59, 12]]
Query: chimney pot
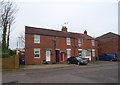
[[85, 32], [64, 28]]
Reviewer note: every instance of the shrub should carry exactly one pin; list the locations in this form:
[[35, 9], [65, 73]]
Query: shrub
[[5, 55], [12, 52]]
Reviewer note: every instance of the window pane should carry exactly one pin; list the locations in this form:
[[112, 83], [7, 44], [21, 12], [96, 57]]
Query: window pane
[[36, 52], [87, 53], [36, 38], [80, 53], [68, 41], [79, 42], [36, 55], [93, 52], [68, 53], [93, 43]]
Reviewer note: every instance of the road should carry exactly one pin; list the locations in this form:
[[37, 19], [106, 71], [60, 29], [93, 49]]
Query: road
[[96, 73]]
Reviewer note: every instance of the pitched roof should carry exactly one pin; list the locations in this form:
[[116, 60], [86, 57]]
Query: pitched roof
[[87, 36], [108, 35], [49, 32]]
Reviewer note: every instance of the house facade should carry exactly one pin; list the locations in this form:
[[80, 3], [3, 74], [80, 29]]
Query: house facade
[[109, 43], [56, 46]]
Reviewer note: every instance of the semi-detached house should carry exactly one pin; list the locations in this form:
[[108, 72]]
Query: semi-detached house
[[56, 46]]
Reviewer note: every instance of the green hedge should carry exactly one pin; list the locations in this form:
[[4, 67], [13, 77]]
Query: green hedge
[[5, 55], [8, 53]]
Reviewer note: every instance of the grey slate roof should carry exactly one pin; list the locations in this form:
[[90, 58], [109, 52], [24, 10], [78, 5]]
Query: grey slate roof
[[108, 35], [49, 32]]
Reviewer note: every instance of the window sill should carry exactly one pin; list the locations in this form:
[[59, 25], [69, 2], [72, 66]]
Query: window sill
[[36, 57], [36, 43]]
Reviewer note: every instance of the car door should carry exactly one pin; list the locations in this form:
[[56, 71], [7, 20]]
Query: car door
[[74, 60]]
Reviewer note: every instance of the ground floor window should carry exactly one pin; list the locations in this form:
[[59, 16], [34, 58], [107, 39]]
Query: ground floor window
[[36, 53], [88, 53], [68, 53], [80, 52], [93, 52]]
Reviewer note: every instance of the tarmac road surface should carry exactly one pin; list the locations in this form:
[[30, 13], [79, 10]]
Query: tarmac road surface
[[97, 73]]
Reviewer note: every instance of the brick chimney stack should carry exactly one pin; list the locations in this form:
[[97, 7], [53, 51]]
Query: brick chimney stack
[[85, 32], [64, 28]]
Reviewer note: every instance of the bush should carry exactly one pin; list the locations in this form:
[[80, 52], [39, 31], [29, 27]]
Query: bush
[[12, 52], [5, 55]]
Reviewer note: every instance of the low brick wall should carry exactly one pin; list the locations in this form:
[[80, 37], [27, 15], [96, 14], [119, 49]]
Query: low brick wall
[[10, 62]]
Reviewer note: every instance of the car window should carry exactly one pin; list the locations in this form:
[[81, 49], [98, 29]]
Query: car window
[[78, 58]]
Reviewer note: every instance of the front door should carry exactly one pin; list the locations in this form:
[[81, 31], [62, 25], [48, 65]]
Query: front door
[[62, 57], [47, 55], [57, 55]]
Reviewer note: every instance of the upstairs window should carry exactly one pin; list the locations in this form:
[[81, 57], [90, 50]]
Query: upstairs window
[[68, 41], [93, 42], [36, 38], [79, 42], [36, 53]]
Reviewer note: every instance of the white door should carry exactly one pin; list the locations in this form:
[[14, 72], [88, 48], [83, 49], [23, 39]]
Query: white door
[[47, 55]]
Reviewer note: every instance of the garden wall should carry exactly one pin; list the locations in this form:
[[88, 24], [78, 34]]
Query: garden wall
[[10, 62]]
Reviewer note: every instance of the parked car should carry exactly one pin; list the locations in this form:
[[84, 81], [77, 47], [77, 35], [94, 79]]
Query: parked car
[[85, 59], [77, 60], [109, 57]]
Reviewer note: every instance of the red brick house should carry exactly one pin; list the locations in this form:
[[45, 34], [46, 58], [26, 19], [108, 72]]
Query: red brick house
[[56, 46], [109, 43]]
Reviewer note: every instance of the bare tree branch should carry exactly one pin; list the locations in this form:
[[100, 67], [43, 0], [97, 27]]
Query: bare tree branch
[[7, 19]]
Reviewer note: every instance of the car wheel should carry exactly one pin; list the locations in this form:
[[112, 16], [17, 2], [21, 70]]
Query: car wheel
[[78, 63]]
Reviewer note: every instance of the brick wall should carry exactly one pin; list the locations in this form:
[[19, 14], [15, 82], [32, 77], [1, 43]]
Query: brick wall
[[48, 42], [108, 45]]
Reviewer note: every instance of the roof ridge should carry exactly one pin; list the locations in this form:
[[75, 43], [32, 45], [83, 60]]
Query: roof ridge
[[42, 28], [101, 37]]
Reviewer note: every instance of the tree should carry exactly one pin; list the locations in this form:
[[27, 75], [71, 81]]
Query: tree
[[7, 16], [22, 39]]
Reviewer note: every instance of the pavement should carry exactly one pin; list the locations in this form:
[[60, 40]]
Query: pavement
[[45, 66]]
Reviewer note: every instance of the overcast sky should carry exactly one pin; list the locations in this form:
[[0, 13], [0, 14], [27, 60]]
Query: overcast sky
[[96, 16]]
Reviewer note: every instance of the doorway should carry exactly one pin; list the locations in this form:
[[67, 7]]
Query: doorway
[[47, 55], [62, 57], [57, 55]]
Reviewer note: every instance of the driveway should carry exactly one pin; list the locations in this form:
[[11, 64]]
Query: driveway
[[95, 72]]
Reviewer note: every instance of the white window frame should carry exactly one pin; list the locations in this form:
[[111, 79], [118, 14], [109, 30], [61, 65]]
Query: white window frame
[[68, 40], [36, 49], [93, 42], [68, 53], [93, 52], [81, 52], [36, 38], [79, 42]]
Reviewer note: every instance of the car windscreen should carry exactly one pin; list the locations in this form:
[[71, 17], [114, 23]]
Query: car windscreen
[[78, 58]]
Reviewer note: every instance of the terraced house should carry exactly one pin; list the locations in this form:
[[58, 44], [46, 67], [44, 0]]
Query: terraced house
[[56, 46]]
